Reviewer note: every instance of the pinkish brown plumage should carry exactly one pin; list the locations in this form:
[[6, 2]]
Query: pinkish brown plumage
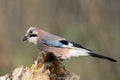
[[62, 48]]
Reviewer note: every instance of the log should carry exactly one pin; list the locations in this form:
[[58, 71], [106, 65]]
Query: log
[[46, 67]]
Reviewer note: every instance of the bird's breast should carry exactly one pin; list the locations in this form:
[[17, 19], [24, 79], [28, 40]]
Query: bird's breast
[[59, 52]]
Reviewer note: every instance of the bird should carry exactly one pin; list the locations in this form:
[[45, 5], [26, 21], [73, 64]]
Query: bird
[[62, 48]]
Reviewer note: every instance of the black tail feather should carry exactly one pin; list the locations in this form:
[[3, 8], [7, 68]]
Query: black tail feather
[[102, 57]]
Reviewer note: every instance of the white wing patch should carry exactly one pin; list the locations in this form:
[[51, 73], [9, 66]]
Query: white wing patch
[[70, 44]]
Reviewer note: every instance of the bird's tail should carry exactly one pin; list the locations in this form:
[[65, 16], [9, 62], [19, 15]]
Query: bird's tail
[[101, 56]]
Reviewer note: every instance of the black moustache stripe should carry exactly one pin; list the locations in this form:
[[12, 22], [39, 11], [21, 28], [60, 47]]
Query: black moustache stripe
[[33, 35]]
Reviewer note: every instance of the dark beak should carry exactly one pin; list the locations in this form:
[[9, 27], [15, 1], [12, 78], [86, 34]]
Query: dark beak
[[24, 38]]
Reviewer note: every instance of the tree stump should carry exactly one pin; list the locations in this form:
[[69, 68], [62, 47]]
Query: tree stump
[[47, 67]]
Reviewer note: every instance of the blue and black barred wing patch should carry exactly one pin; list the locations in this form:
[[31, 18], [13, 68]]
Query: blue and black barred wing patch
[[72, 44]]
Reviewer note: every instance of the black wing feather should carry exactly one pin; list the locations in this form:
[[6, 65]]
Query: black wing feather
[[65, 42]]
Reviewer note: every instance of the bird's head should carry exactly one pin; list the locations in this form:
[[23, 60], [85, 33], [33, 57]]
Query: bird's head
[[31, 35]]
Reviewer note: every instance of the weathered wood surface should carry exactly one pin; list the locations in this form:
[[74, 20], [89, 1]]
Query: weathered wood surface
[[47, 67]]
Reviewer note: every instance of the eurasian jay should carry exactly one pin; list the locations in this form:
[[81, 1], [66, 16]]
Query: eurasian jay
[[61, 47]]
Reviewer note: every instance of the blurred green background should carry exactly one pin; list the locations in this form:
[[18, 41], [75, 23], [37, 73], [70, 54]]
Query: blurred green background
[[92, 23]]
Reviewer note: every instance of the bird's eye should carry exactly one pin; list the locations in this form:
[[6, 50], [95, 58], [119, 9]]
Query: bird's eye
[[33, 35], [30, 31]]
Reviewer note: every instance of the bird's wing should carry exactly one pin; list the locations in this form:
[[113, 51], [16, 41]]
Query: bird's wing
[[70, 44], [64, 43], [52, 43], [77, 49]]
